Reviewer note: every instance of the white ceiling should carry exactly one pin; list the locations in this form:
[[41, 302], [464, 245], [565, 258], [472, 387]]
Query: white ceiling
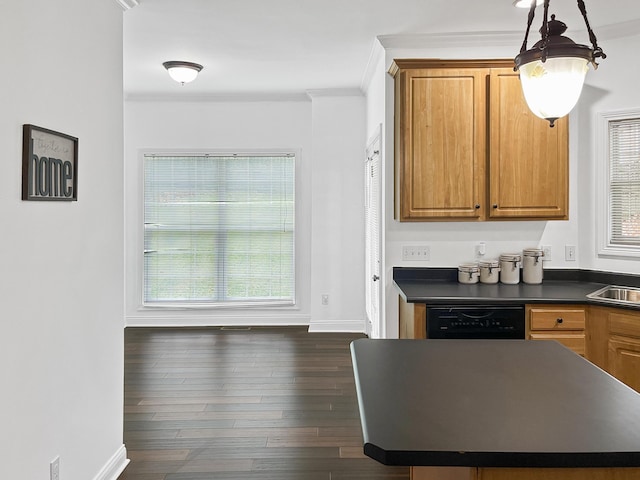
[[284, 47]]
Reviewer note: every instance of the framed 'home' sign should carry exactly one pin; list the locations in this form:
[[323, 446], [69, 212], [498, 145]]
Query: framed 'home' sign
[[49, 165]]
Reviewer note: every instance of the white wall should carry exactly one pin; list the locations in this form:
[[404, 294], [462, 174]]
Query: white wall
[[612, 87], [337, 214], [61, 263], [257, 125], [453, 242], [377, 104]]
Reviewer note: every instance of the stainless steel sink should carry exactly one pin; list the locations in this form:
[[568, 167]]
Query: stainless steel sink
[[619, 295]]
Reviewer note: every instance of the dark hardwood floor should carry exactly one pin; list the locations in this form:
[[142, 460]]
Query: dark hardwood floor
[[259, 403]]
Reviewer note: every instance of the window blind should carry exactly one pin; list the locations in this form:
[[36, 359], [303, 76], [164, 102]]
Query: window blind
[[219, 229], [624, 182]]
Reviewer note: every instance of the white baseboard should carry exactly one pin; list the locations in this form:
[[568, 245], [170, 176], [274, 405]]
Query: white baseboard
[[351, 326], [115, 466], [358, 326], [216, 321]]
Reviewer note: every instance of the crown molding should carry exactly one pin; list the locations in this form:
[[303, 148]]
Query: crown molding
[[618, 30], [377, 52], [334, 92], [429, 40], [483, 39], [127, 4], [219, 97]]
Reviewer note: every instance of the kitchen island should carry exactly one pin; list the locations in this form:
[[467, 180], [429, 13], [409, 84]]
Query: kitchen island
[[494, 410]]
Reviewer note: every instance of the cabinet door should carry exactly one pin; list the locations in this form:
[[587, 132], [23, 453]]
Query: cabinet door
[[528, 160], [572, 340], [624, 360], [441, 144]]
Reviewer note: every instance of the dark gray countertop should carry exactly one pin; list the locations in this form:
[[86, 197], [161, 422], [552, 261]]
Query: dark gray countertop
[[491, 403], [439, 286], [443, 292]]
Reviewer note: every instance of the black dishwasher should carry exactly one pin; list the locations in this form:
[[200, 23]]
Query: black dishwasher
[[476, 321]]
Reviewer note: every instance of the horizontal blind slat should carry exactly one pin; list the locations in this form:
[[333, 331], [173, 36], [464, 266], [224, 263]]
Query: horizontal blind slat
[[219, 229], [624, 182]]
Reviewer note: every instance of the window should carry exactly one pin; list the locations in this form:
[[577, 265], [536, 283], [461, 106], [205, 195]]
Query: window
[[219, 229], [620, 138]]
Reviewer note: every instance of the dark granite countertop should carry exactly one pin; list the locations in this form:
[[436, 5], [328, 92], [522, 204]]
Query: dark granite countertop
[[440, 286], [492, 403]]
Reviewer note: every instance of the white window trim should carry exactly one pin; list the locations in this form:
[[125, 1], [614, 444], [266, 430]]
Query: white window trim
[[212, 306], [603, 214]]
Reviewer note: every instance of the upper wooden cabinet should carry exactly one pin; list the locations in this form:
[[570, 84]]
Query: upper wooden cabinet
[[439, 127], [528, 160], [468, 148]]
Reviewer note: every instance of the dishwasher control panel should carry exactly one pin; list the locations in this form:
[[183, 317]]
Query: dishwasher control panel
[[470, 322]]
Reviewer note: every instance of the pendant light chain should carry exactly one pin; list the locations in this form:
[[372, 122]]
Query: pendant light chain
[[597, 51], [532, 13], [545, 30]]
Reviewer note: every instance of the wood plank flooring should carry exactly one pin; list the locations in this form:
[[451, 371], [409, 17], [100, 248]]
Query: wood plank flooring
[[255, 404]]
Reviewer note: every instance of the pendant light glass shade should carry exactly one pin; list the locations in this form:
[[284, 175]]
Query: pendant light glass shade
[[552, 88], [182, 72], [553, 71]]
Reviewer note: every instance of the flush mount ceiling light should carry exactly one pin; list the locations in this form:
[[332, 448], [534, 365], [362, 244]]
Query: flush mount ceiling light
[[552, 72], [183, 72]]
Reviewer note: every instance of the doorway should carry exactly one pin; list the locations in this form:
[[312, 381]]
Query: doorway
[[372, 233]]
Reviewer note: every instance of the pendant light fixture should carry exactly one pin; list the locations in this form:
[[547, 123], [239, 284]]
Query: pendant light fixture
[[183, 72], [552, 72]]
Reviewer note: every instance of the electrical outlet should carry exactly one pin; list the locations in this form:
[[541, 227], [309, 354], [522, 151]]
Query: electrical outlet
[[419, 253], [325, 299], [570, 253], [54, 469], [546, 250]]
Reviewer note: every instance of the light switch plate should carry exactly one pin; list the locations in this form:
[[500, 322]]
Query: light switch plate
[[416, 253]]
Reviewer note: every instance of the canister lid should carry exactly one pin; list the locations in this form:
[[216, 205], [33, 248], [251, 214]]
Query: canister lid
[[468, 267], [489, 263], [533, 252], [510, 257]]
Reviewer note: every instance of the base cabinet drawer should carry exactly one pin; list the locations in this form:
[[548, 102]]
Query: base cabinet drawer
[[562, 323], [557, 319]]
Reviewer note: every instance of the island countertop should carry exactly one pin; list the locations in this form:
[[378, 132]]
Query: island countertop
[[492, 403]]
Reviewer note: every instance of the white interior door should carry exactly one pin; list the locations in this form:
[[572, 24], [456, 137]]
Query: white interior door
[[372, 227]]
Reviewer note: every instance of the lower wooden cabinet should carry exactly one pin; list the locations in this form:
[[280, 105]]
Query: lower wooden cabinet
[[565, 324], [413, 319], [623, 346], [624, 360], [606, 336]]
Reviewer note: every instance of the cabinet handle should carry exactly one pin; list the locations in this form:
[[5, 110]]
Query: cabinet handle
[[477, 206], [495, 205], [559, 320]]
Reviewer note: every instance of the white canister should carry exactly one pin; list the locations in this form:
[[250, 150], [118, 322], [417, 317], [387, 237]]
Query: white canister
[[510, 268], [468, 273], [532, 265], [489, 271]]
